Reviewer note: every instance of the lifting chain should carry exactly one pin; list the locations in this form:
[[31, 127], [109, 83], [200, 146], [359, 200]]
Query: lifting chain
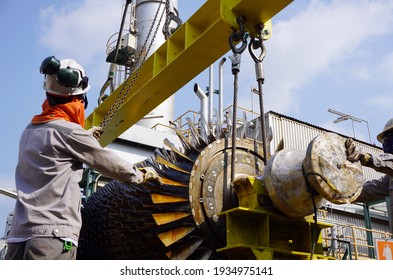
[[235, 37], [170, 16], [255, 44], [142, 55]]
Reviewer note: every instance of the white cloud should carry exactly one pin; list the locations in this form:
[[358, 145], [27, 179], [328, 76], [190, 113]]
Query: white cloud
[[322, 36], [80, 30], [362, 72]]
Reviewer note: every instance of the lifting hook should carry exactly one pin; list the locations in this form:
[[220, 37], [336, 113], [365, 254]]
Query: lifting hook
[[236, 36]]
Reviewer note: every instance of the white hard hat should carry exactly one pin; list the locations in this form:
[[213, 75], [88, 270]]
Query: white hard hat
[[65, 77], [388, 127]]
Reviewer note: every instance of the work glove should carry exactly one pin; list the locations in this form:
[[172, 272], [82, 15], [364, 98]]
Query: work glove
[[354, 153], [150, 174], [96, 131]]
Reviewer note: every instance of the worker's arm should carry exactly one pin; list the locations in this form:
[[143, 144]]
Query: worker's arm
[[87, 149], [374, 190], [381, 163]]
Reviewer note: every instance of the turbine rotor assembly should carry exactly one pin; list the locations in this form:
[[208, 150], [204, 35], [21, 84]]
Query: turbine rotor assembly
[[176, 218]]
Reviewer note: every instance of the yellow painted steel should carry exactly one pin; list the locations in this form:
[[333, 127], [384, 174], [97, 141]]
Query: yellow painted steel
[[199, 42], [256, 231], [256, 12]]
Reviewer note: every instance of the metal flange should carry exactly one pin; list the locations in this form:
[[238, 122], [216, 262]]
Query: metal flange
[[210, 188]]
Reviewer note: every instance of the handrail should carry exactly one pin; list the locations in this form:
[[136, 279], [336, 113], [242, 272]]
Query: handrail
[[352, 234]]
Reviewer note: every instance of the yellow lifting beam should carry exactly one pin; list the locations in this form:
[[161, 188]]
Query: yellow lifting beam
[[195, 45]]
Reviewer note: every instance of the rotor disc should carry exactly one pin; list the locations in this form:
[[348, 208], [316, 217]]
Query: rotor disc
[[329, 172]]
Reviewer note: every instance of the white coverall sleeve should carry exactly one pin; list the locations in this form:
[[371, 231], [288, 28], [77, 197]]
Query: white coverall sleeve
[[383, 163], [88, 150]]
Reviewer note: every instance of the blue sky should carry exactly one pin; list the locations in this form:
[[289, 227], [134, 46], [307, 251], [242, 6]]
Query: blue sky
[[323, 54]]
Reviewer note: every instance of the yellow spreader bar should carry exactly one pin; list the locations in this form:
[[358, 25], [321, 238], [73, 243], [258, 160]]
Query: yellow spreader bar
[[200, 41]]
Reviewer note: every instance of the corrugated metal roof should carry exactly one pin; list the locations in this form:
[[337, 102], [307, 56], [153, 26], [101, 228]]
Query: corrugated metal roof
[[320, 128]]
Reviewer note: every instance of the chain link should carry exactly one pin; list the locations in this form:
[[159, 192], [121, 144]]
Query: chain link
[[170, 16], [121, 97]]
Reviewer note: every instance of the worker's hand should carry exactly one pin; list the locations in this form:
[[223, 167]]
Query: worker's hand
[[96, 131], [354, 153], [150, 174]]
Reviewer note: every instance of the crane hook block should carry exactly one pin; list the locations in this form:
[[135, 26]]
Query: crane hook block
[[256, 13]]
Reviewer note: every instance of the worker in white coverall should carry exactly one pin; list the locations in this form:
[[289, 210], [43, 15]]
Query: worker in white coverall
[[52, 151], [376, 189]]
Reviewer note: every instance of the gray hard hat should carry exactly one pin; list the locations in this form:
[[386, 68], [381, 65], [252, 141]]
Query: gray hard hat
[[388, 127]]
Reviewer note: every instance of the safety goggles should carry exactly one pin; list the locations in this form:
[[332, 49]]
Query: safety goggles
[[387, 142]]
